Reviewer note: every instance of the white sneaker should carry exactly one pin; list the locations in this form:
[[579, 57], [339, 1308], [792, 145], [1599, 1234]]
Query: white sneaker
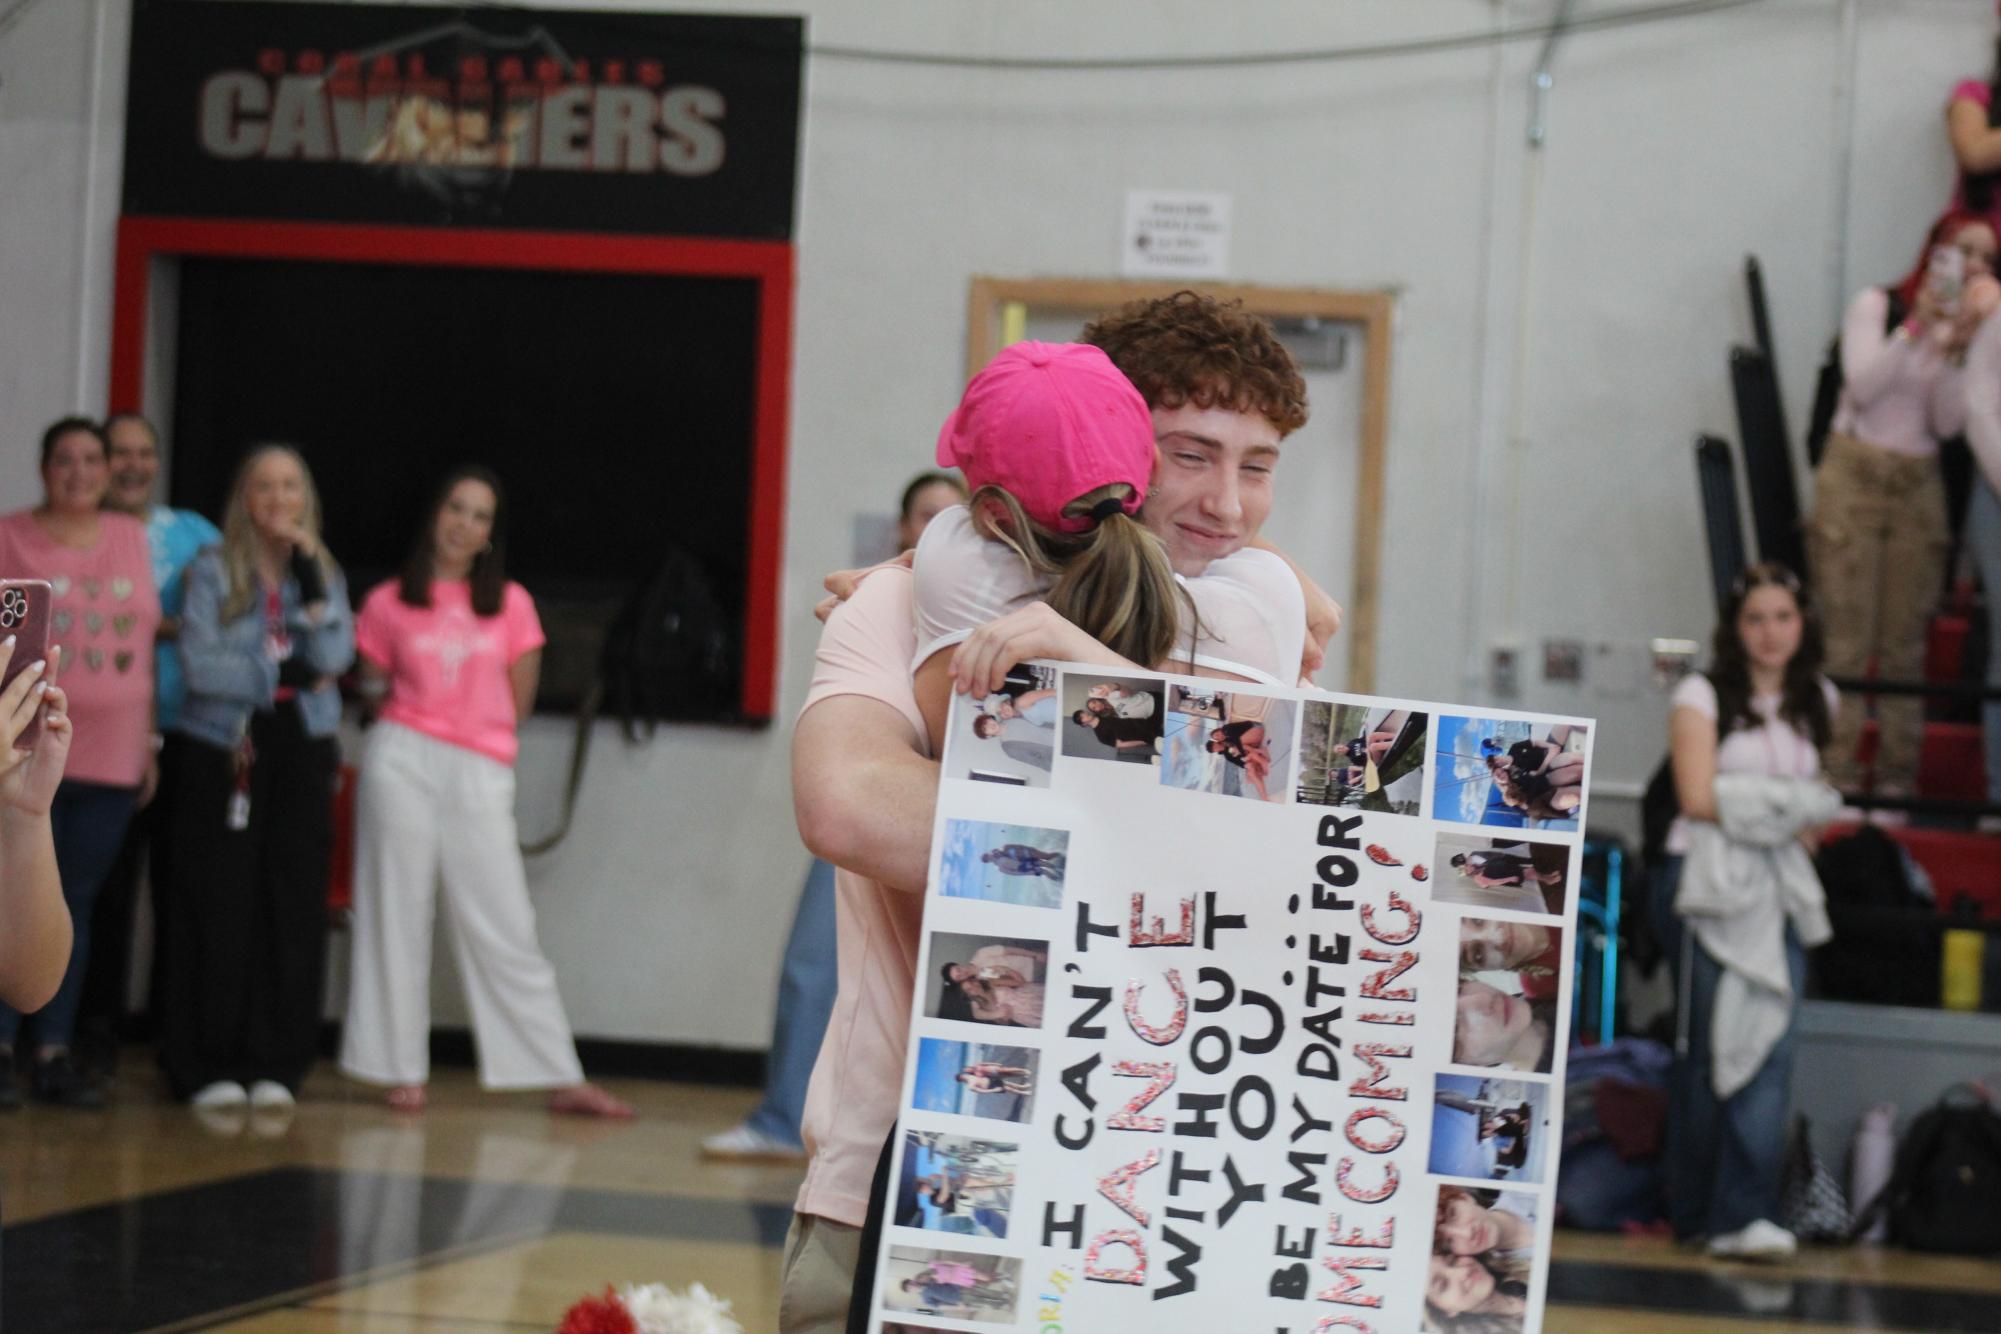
[[747, 1145], [222, 1093], [1762, 1240], [269, 1093]]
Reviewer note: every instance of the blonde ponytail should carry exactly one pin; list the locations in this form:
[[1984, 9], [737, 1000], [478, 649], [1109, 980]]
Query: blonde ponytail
[[1113, 581]]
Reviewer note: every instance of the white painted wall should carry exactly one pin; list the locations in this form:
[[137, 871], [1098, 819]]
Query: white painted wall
[[1557, 348]]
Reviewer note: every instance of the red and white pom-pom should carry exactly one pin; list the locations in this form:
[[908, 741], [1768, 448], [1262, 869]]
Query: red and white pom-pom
[[652, 1308], [599, 1315]]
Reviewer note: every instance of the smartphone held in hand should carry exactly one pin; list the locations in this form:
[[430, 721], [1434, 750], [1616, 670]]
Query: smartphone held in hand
[[1945, 274], [24, 614]]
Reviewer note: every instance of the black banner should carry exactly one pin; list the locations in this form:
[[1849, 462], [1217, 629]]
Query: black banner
[[573, 120]]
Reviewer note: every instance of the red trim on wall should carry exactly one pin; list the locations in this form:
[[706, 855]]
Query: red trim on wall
[[769, 263]]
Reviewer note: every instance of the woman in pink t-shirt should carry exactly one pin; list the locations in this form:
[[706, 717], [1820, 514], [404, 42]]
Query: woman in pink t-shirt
[[454, 651], [103, 613]]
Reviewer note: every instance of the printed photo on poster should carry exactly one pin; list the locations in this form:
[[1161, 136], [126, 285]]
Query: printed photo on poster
[[964, 1285], [1008, 737], [950, 1183], [1508, 772], [1234, 744], [1004, 863], [984, 1079], [1112, 718], [1483, 1255], [1515, 874], [1509, 976], [1364, 756], [986, 979], [1490, 1128]]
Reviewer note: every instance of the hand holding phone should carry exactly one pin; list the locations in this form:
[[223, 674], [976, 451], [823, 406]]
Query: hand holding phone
[[28, 780], [1945, 276], [24, 619]]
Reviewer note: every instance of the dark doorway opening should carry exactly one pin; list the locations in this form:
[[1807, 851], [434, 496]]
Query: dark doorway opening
[[618, 410]]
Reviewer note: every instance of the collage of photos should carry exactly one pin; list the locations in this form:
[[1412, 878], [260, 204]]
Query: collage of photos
[[1511, 874], [1009, 736], [1003, 863], [963, 1285], [953, 1184], [986, 979], [1510, 974], [1490, 1129], [1510, 773], [1368, 758], [981, 1079], [1113, 718], [1482, 1255], [1492, 1144], [1234, 744]]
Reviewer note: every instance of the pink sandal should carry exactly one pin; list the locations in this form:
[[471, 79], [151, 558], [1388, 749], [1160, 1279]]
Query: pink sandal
[[590, 1100], [407, 1098]]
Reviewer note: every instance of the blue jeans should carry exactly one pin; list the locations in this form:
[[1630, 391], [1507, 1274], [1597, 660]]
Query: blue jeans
[[806, 986], [88, 821], [1724, 1155], [1983, 536]]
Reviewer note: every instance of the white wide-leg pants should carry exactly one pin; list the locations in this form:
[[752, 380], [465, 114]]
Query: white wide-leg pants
[[430, 813]]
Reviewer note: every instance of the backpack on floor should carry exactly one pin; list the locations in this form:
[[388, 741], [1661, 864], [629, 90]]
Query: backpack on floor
[[1945, 1190]]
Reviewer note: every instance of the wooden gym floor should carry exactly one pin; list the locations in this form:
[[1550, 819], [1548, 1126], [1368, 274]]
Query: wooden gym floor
[[487, 1214]]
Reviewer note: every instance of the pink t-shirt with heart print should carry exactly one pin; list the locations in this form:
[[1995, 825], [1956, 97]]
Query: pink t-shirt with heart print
[[104, 613]]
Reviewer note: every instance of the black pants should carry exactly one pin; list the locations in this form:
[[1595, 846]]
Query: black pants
[[246, 951]]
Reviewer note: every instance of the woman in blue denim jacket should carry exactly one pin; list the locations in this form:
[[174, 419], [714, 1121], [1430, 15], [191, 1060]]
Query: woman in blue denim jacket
[[265, 630]]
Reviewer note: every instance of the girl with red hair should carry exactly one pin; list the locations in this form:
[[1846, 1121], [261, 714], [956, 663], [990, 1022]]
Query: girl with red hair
[[1878, 533]]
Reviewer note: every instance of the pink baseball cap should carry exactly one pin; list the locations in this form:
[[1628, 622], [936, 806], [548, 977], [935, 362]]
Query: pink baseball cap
[[1047, 423]]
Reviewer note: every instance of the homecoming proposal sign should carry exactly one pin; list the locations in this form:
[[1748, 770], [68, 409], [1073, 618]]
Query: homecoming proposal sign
[[1237, 1009]]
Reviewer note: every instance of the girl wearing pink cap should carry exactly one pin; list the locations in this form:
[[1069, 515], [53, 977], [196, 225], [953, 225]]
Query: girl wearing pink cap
[[1058, 447]]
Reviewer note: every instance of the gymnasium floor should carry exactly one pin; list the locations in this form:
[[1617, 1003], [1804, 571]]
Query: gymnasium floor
[[486, 1214]]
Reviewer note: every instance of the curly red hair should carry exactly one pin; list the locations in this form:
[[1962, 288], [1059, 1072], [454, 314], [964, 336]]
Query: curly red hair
[[1193, 349]]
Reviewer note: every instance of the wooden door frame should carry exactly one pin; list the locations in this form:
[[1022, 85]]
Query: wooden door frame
[[1373, 311]]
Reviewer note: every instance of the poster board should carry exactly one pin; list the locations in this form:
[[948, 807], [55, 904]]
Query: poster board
[[1237, 1008]]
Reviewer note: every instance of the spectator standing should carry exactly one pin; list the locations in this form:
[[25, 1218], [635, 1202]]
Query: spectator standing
[[1737, 904], [1877, 535], [173, 536], [265, 630], [103, 613], [455, 650]]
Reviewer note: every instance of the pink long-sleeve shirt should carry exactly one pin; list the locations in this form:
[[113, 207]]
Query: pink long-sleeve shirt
[[1898, 393]]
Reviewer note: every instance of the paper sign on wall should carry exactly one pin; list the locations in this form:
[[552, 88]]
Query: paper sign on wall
[[1176, 234], [1237, 1009]]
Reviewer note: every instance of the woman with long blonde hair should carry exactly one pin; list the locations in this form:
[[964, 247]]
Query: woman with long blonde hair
[[265, 631]]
